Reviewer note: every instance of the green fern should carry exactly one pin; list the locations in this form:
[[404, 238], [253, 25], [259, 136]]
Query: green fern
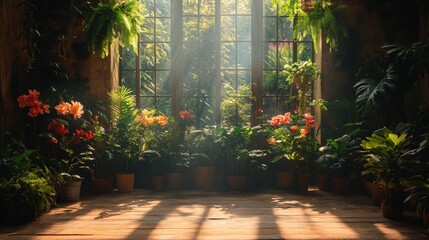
[[113, 20], [326, 16], [123, 139]]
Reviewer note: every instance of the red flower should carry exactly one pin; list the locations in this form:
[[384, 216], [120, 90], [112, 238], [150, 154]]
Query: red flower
[[294, 128], [286, 118], [80, 132], [31, 100], [53, 140], [59, 128], [272, 141], [276, 120], [184, 114], [89, 135]]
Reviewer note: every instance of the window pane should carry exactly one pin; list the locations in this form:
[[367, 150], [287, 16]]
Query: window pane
[[270, 55], [190, 28], [163, 29], [244, 6], [244, 55], [207, 27], [128, 59], [190, 7], [270, 29], [147, 102], [269, 8], [207, 7], [147, 30], [128, 79], [243, 28], [147, 56], [163, 8], [150, 8], [243, 83], [147, 83], [228, 28], [228, 7], [163, 83], [285, 29], [305, 51], [229, 55], [285, 54], [163, 55], [163, 105]]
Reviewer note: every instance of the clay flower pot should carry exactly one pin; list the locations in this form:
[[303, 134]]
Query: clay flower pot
[[125, 182]]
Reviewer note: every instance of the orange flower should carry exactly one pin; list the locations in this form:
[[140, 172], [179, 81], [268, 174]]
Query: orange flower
[[271, 141], [63, 108], [147, 121], [294, 128], [184, 114], [276, 120], [76, 109], [286, 118], [162, 120], [303, 131]]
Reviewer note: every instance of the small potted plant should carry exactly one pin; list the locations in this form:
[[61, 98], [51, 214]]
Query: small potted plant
[[387, 155], [235, 143], [291, 142], [342, 158], [124, 141]]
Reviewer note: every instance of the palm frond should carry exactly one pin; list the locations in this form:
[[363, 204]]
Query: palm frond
[[375, 84]]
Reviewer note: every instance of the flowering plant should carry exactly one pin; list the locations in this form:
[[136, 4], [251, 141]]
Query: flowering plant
[[290, 139], [68, 134], [151, 128]]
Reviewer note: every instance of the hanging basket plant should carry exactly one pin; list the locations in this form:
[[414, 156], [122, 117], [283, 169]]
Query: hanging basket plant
[[114, 19], [310, 17]]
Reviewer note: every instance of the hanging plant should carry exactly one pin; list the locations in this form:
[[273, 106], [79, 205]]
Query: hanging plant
[[321, 15], [111, 20]]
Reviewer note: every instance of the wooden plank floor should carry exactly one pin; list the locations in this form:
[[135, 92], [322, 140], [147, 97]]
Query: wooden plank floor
[[144, 214]]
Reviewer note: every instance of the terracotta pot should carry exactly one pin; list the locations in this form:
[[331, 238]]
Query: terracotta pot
[[425, 217], [70, 190], [102, 184], [174, 181], [157, 183], [376, 193], [285, 180], [237, 182], [394, 212], [203, 177], [125, 182], [324, 182], [303, 182], [340, 184]]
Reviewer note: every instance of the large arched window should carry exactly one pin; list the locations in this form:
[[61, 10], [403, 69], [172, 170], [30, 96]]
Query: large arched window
[[220, 59]]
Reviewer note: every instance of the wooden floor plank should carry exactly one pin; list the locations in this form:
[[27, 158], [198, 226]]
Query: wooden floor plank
[[212, 215]]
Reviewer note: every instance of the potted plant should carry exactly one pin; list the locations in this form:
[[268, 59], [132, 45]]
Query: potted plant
[[342, 158], [203, 152], [387, 156], [114, 19], [300, 76], [419, 197], [157, 168], [292, 144], [102, 181], [124, 140], [235, 143]]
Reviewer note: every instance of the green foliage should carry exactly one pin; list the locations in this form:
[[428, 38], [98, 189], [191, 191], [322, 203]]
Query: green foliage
[[374, 87], [235, 106], [113, 19], [327, 16], [301, 76], [340, 156], [124, 141], [389, 157], [235, 144]]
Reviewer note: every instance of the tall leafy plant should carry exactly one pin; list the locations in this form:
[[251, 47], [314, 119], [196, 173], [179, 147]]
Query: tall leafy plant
[[124, 141], [112, 19]]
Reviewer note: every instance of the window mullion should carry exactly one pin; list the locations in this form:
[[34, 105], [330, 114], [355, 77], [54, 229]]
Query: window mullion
[[257, 59], [177, 56]]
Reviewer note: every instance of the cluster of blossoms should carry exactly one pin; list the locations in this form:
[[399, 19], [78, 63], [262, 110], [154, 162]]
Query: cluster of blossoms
[[294, 123], [74, 108], [185, 115], [148, 118], [32, 100]]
